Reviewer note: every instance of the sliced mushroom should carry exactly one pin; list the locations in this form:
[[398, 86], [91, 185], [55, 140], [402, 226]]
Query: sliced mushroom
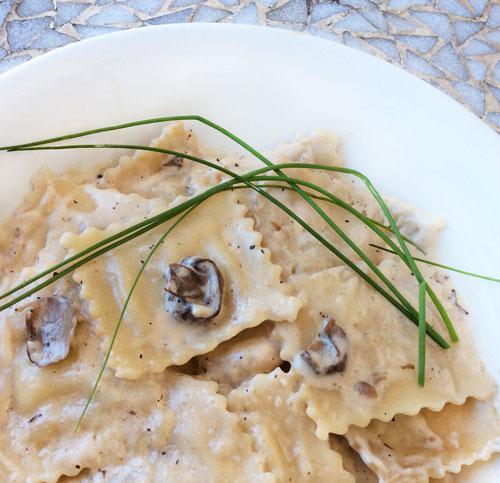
[[194, 289], [50, 326], [328, 353]]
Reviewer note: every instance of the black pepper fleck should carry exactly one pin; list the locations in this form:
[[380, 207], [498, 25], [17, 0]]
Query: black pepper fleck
[[34, 418]]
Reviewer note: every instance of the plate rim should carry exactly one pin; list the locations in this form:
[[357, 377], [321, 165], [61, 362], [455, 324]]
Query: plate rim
[[52, 55]]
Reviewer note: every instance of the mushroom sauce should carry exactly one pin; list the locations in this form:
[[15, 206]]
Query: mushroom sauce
[[248, 351]]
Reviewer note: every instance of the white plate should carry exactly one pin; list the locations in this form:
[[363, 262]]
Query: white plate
[[268, 85]]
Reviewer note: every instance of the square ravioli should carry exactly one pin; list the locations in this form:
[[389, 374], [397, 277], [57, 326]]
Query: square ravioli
[[292, 246], [40, 408], [412, 449], [163, 325], [357, 355], [161, 175], [205, 445], [30, 240], [269, 407], [231, 363]]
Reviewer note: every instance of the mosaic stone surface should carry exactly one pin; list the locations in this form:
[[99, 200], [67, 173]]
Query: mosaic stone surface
[[452, 44]]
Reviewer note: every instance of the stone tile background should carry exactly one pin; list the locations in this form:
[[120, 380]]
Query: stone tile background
[[453, 44]]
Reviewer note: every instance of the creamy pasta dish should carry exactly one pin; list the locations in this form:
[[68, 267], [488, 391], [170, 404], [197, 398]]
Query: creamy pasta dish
[[248, 351]]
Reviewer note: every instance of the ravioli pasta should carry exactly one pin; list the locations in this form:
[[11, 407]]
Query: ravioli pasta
[[378, 380], [291, 245], [412, 449], [248, 352], [150, 339], [269, 407], [157, 175], [205, 444], [60, 204], [38, 442]]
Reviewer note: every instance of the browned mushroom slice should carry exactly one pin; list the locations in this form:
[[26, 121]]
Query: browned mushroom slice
[[50, 325], [194, 289], [328, 353]]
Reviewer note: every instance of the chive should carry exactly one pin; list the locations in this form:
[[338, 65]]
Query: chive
[[261, 157], [406, 308], [403, 253], [446, 267], [332, 199], [421, 334], [315, 206], [146, 226], [242, 178], [123, 310]]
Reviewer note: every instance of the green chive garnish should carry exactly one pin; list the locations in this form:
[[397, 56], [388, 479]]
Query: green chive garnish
[[445, 267], [421, 334], [257, 181]]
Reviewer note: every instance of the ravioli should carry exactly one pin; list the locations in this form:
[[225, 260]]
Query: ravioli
[[416, 448], [292, 246], [238, 359], [378, 377], [51, 205], [41, 407], [150, 338], [60, 204], [246, 344], [269, 407], [351, 460], [206, 443], [158, 175]]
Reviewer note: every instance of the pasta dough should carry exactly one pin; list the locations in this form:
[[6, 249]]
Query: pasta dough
[[269, 407], [38, 442], [205, 444], [379, 378], [238, 359], [414, 448], [157, 175], [150, 339]]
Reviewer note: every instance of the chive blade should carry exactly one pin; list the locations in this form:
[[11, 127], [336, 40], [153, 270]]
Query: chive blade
[[421, 334], [406, 308], [124, 309], [445, 267]]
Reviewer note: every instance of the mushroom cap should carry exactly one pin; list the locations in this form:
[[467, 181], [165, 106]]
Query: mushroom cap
[[50, 326], [327, 354], [194, 289]]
